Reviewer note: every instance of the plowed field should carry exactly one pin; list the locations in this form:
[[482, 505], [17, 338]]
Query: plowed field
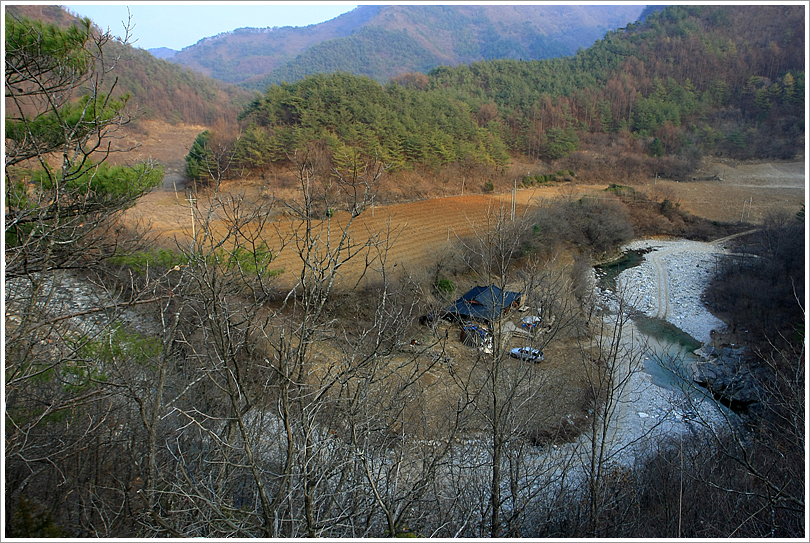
[[419, 231], [422, 229]]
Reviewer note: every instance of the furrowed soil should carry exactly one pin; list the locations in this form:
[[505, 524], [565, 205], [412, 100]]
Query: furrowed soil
[[725, 191], [422, 231]]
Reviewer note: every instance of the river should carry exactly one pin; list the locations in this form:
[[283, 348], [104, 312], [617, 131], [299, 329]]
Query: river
[[664, 280]]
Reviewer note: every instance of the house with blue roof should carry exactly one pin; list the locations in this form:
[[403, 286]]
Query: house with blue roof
[[482, 305]]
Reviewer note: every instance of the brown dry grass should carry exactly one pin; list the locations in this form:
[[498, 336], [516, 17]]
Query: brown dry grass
[[771, 186]]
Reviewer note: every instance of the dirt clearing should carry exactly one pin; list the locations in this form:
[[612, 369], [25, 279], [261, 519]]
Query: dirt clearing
[[758, 189]]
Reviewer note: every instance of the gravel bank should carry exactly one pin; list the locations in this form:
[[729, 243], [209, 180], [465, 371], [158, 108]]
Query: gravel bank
[[668, 284], [689, 266]]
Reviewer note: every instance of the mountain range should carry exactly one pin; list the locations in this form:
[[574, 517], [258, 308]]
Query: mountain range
[[158, 89], [683, 82], [381, 42]]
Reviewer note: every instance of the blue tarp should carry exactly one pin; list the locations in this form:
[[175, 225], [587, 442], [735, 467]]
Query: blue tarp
[[482, 304], [473, 329]]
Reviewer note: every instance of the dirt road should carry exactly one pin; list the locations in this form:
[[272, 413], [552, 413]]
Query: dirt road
[[669, 285], [684, 249]]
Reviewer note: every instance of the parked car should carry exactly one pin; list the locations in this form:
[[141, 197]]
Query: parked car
[[527, 353]]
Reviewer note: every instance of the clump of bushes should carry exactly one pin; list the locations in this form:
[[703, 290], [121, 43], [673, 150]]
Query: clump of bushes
[[445, 286], [760, 294], [620, 190], [139, 261], [594, 225], [257, 261], [546, 179]]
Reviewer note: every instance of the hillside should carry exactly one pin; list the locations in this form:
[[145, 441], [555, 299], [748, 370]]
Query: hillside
[[272, 354], [651, 99], [162, 52], [249, 52], [382, 41], [158, 89]]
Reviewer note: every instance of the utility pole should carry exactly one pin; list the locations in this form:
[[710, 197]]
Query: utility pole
[[191, 202], [514, 198]]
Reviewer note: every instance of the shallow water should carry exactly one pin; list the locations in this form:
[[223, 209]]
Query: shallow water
[[670, 354], [606, 274], [665, 332]]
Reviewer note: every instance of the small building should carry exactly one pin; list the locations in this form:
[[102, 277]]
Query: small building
[[482, 305], [479, 337]]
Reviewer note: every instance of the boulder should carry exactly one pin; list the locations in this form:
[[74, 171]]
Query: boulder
[[727, 376]]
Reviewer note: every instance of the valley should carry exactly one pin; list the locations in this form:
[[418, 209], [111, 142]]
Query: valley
[[426, 231], [310, 325]]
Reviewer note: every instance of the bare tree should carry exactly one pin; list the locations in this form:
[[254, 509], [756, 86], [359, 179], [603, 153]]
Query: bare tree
[[503, 394], [610, 361], [749, 457], [63, 433], [307, 400]]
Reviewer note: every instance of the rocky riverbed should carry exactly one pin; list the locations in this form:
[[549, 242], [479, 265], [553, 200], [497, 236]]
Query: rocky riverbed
[[687, 267], [668, 285]]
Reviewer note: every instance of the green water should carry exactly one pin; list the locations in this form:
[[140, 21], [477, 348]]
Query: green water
[[665, 332], [607, 273], [670, 351]]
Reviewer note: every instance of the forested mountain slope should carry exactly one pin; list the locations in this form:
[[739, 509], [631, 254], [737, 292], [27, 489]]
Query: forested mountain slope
[[382, 41], [158, 89], [731, 78], [691, 80], [252, 52]]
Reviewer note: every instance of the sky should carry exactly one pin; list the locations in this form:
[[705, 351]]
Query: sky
[[178, 25]]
